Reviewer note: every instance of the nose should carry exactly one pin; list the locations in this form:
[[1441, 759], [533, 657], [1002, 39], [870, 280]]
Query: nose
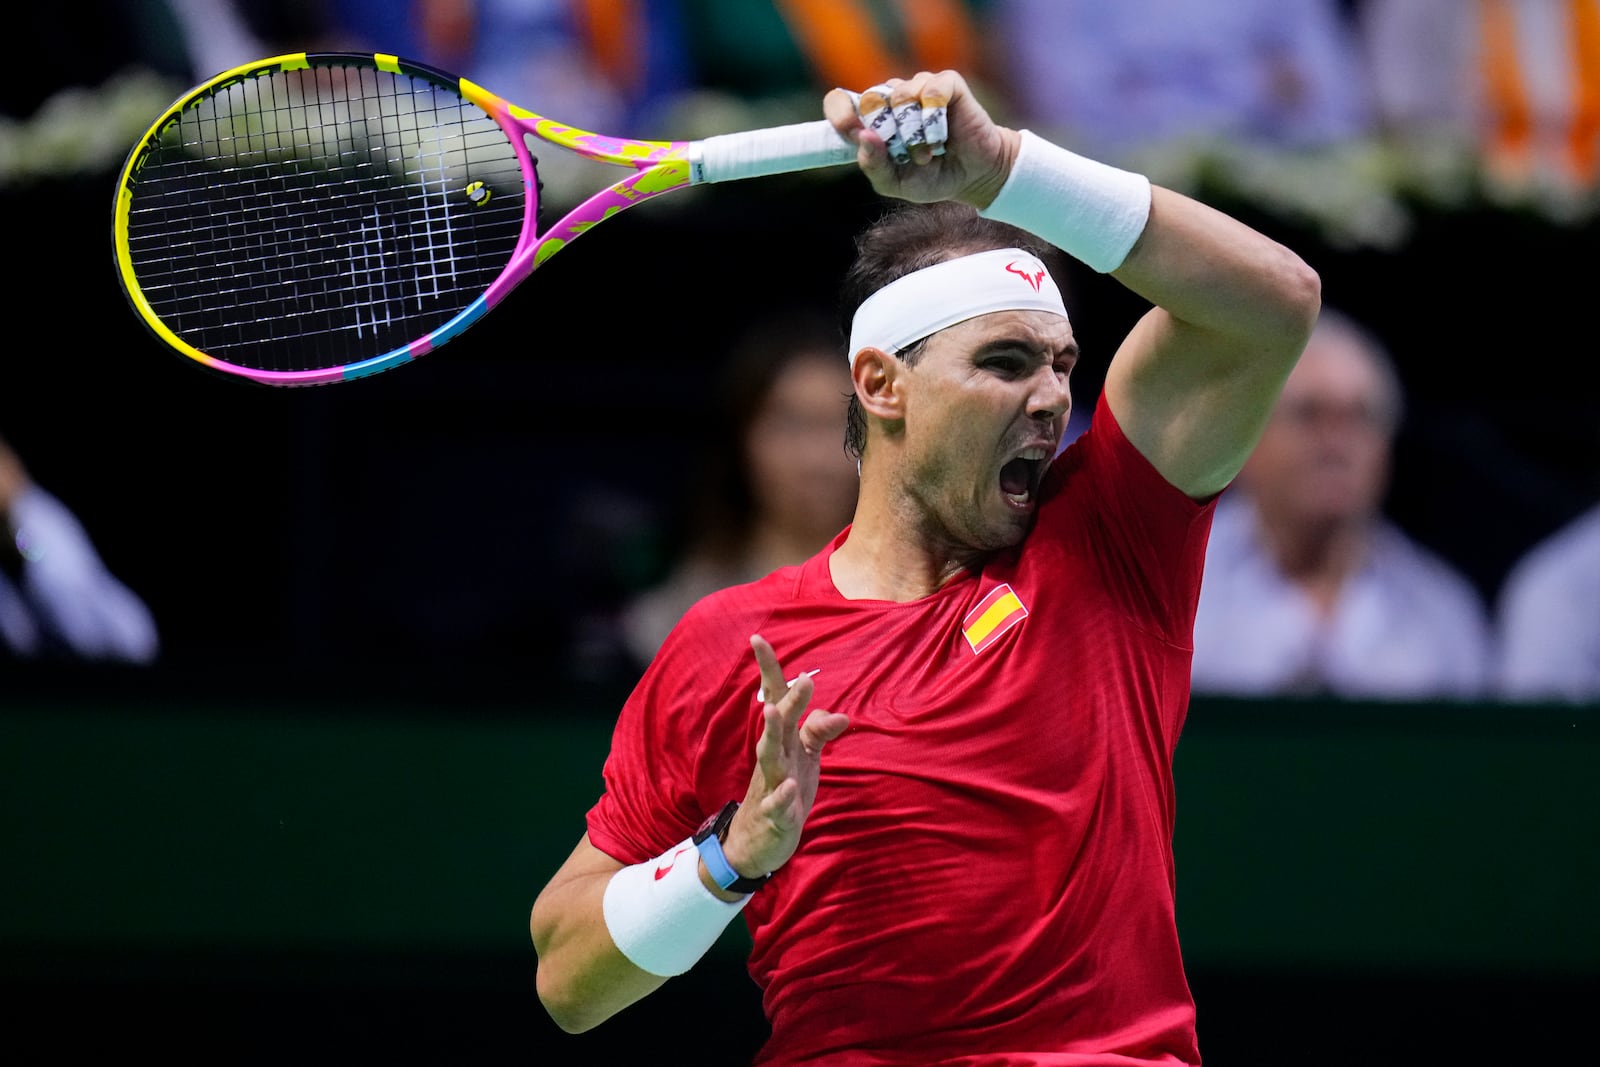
[[1052, 396]]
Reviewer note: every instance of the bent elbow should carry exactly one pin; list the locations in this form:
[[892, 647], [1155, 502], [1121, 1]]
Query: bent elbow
[[567, 1011], [1302, 287]]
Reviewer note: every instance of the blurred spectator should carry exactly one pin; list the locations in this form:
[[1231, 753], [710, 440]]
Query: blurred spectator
[[1308, 587], [1515, 82], [1115, 78], [774, 484], [57, 599], [747, 48], [598, 64], [1549, 617]]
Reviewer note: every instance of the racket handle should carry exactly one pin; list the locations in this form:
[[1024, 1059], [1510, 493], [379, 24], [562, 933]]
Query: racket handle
[[777, 150]]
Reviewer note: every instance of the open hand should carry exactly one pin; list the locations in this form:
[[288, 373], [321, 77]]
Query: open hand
[[783, 786]]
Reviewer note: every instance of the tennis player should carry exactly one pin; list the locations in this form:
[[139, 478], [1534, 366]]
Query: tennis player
[[932, 766]]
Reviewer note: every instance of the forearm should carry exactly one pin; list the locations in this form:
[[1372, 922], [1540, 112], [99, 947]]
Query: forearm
[[1206, 270], [583, 978], [1196, 377], [608, 935], [1213, 274]]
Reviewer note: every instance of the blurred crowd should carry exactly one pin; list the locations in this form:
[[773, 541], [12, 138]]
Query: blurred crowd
[[1343, 111], [1339, 114]]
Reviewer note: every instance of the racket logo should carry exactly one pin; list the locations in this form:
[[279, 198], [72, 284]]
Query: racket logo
[[1033, 278]]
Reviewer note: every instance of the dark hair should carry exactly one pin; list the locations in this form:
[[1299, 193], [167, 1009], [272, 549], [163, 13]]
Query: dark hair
[[722, 500], [908, 238]]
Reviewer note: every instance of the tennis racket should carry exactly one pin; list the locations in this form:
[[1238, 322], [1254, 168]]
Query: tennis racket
[[320, 217]]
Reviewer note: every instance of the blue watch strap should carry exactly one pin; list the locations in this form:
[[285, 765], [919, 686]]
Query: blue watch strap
[[717, 864], [708, 839]]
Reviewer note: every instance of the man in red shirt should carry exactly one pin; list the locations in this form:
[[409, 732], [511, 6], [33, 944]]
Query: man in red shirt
[[979, 867]]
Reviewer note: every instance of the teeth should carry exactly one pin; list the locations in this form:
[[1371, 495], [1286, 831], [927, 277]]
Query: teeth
[[1034, 453]]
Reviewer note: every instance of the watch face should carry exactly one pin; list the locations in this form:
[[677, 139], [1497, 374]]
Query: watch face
[[718, 823]]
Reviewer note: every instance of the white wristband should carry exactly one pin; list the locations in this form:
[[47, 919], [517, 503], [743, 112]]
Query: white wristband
[[1091, 211], [661, 915]]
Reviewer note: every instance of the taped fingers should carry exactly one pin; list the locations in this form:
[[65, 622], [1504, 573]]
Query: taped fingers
[[935, 123], [908, 120], [878, 116], [902, 127]]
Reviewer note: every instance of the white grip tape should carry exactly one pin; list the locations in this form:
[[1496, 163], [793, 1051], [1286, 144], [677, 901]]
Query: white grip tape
[[777, 150], [661, 915]]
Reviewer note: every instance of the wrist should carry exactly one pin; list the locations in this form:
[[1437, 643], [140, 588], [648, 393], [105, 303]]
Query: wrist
[[1091, 211], [719, 872], [727, 896], [661, 915], [983, 193]]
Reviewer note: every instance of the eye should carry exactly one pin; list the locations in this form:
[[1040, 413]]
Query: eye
[[1007, 364]]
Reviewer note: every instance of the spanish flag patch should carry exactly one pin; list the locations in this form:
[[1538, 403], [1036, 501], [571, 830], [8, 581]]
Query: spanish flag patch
[[994, 615]]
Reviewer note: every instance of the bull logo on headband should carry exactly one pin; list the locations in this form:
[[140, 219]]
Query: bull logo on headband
[[1033, 278]]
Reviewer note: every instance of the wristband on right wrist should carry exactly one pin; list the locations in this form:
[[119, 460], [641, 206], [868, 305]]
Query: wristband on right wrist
[[1089, 210]]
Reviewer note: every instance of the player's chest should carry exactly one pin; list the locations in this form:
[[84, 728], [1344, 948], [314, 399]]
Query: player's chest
[[981, 679]]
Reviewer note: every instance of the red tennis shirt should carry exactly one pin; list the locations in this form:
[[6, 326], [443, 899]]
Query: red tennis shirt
[[987, 874]]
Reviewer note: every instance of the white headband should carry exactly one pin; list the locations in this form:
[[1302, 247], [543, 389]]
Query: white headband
[[928, 300]]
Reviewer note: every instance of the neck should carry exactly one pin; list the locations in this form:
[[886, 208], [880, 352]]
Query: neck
[[891, 554]]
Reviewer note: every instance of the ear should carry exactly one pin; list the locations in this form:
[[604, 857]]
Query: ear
[[877, 377]]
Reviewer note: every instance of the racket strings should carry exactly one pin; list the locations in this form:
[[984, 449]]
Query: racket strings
[[314, 218]]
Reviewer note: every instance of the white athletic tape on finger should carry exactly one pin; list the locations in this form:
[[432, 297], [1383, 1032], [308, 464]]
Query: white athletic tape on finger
[[908, 118], [935, 125], [880, 120], [933, 298], [661, 915]]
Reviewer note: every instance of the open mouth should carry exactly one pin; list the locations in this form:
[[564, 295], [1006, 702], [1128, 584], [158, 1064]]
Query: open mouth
[[1019, 478]]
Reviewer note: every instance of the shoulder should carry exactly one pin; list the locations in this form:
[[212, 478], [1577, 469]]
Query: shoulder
[[718, 625], [1102, 463]]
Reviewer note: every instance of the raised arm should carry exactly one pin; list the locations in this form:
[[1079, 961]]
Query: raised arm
[[1195, 379]]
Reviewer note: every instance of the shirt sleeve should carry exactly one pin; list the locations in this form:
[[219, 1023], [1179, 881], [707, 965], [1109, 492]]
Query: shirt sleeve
[[672, 724], [1103, 497]]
